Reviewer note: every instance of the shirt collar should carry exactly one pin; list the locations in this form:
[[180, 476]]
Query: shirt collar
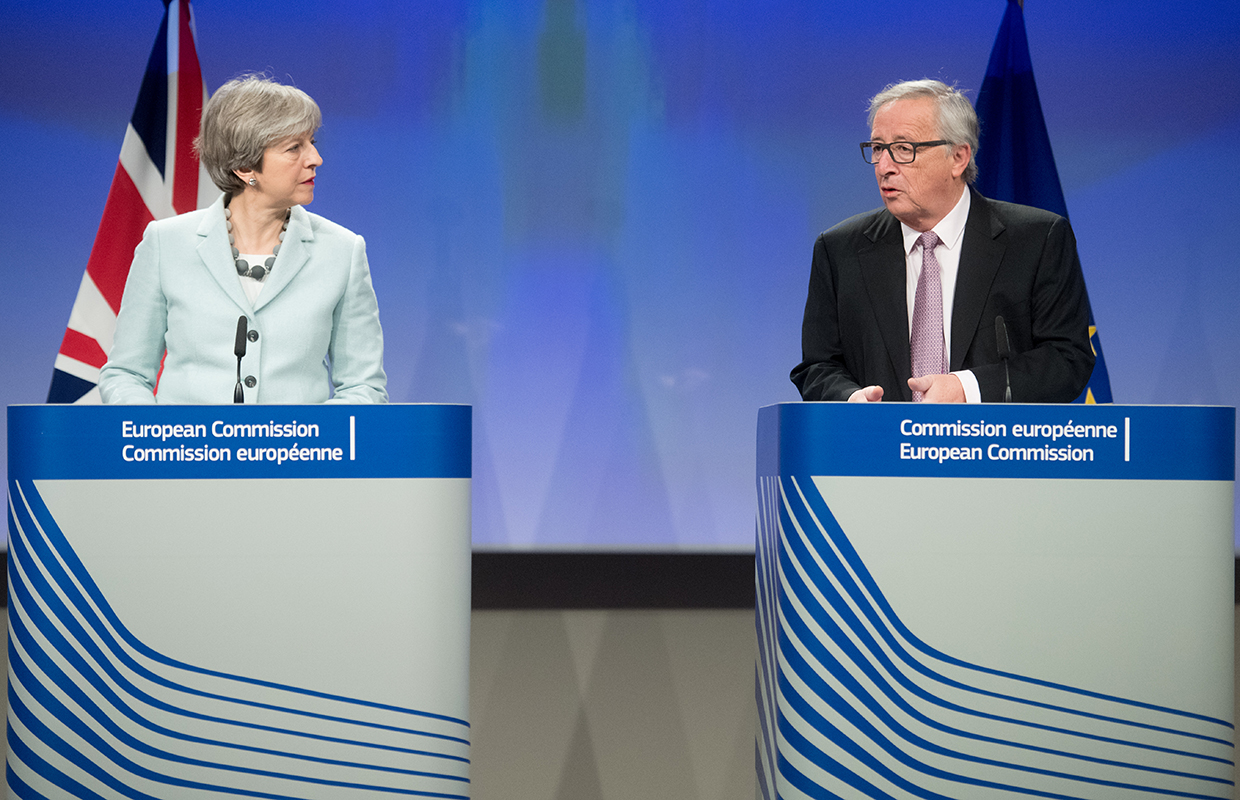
[[950, 229]]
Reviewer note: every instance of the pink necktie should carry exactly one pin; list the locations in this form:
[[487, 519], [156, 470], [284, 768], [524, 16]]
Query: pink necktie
[[926, 338]]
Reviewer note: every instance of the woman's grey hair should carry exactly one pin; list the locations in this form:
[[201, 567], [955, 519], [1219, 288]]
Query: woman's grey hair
[[956, 118], [243, 118]]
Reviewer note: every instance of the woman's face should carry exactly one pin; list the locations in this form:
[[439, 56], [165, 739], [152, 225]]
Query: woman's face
[[287, 175]]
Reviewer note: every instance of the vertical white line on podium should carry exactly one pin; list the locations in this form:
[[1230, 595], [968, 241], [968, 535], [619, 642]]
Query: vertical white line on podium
[[353, 439], [1127, 426]]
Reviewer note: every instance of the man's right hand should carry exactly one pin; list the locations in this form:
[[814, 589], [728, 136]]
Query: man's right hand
[[866, 394]]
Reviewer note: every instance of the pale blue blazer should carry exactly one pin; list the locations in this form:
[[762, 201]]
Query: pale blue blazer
[[317, 318]]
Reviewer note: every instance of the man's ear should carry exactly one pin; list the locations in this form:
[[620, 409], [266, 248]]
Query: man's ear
[[961, 156]]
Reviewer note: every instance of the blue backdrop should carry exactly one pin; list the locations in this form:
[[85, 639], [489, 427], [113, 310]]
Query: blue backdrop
[[593, 220]]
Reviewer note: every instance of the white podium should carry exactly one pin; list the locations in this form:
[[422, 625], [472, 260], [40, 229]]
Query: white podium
[[239, 601], [995, 601]]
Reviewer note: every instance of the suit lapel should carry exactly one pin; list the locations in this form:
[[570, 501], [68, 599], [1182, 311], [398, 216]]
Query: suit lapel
[[216, 254], [980, 257], [294, 253], [883, 269]]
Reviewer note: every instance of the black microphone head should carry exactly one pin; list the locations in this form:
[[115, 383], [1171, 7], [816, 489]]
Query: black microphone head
[[239, 346], [1001, 338]]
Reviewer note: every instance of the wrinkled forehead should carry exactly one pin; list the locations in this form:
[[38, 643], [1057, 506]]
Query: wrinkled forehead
[[915, 117]]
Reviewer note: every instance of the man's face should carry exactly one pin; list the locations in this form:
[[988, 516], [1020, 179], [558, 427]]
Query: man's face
[[918, 194]]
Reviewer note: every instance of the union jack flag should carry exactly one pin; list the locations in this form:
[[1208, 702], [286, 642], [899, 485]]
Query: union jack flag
[[158, 175]]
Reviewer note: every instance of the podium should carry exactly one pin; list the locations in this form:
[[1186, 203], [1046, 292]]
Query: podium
[[994, 601], [241, 601]]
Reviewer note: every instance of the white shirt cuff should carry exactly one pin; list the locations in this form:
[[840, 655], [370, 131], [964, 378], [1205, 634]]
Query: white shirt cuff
[[972, 392]]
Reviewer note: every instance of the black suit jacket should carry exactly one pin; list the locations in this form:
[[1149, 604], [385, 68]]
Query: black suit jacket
[[1016, 262]]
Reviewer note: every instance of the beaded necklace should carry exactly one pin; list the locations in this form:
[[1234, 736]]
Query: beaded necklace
[[257, 272]]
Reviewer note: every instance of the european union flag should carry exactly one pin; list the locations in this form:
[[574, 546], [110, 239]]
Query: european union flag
[[1014, 161]]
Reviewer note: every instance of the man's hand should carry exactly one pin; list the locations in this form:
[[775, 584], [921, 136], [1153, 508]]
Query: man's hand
[[868, 394], [938, 388]]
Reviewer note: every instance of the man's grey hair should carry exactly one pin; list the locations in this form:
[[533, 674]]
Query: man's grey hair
[[957, 120], [243, 118]]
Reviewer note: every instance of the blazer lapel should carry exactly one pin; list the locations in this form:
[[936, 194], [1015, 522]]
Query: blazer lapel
[[883, 270], [980, 257], [294, 253], [216, 254]]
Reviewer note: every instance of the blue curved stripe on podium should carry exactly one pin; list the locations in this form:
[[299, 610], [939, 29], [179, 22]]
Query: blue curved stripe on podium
[[18, 788], [42, 768], [802, 782], [840, 606], [860, 640], [765, 623], [64, 580], [841, 706], [54, 540], [64, 682], [818, 506], [31, 590], [824, 658]]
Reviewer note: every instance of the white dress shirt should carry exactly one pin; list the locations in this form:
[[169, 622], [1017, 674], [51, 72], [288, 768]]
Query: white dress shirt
[[950, 231]]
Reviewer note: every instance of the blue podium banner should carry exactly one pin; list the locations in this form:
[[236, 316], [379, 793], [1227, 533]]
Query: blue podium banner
[[197, 442], [999, 441]]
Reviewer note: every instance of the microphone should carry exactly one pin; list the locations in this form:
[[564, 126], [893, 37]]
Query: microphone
[[239, 351], [1005, 353]]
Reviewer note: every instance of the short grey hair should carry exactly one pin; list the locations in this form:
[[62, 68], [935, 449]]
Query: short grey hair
[[956, 118], [243, 118]]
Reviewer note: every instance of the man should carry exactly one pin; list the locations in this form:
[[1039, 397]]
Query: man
[[883, 284]]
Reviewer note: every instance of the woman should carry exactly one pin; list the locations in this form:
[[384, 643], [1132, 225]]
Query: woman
[[301, 282]]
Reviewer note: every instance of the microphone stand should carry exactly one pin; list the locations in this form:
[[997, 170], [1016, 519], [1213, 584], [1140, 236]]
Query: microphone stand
[[239, 350], [1005, 353]]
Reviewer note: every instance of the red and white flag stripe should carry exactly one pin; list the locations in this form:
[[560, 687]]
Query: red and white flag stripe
[[157, 176]]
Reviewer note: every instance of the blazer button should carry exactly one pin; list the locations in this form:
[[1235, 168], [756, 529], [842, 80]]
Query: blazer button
[[252, 335], [251, 381]]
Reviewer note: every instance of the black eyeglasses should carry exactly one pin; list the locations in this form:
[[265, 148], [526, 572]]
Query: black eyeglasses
[[900, 152]]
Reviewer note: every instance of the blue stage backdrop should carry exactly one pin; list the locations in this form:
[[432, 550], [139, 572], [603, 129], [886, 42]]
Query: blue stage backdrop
[[593, 220]]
